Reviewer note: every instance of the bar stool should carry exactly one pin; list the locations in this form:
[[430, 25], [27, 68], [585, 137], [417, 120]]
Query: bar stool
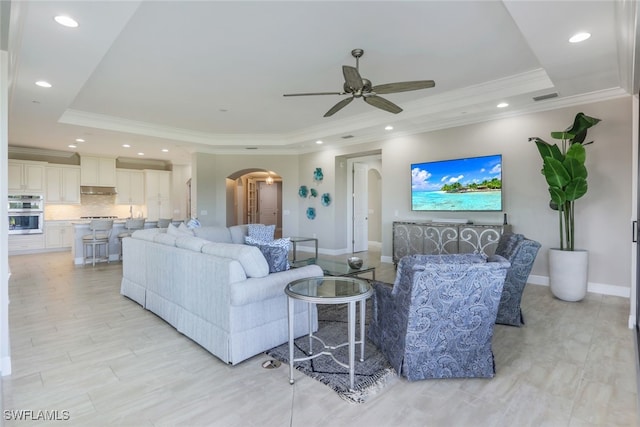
[[163, 222], [130, 226], [100, 233]]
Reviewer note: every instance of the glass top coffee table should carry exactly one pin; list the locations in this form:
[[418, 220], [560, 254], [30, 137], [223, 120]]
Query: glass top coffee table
[[336, 268], [329, 290]]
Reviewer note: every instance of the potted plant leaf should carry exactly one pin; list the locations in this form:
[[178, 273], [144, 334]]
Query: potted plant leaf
[[566, 174]]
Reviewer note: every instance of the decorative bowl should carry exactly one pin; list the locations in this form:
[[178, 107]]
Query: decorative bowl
[[354, 262]]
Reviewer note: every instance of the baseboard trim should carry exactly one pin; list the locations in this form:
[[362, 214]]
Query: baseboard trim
[[596, 288]]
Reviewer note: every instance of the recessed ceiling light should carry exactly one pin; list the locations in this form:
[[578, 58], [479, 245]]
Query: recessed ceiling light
[[389, 127], [579, 37], [140, 154], [164, 150], [502, 105], [66, 21], [72, 146], [79, 140], [318, 142], [126, 145], [42, 83]]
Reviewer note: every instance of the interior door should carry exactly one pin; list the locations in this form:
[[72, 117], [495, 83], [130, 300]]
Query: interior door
[[360, 208], [267, 204]]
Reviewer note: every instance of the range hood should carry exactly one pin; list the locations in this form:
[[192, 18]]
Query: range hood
[[97, 191]]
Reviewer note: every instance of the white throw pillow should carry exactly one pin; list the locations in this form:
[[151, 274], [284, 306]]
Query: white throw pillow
[[181, 230]]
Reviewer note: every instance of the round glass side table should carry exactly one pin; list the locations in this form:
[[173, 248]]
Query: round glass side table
[[329, 290]]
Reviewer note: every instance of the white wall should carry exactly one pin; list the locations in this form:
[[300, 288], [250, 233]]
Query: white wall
[[5, 353], [602, 216], [179, 177], [209, 176]]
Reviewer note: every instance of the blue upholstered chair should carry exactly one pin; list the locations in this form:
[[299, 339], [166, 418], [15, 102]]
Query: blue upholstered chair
[[437, 320], [521, 253]]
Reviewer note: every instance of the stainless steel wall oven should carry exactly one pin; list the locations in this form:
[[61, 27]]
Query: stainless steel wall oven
[[26, 214]]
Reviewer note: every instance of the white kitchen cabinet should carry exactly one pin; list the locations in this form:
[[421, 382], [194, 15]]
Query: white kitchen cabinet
[[63, 185], [158, 194], [58, 234], [25, 176], [130, 187], [98, 171], [25, 243]]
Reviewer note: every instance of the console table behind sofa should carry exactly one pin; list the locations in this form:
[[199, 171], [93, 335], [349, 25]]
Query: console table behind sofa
[[411, 238]]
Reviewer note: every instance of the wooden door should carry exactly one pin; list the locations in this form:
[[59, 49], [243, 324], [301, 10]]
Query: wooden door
[[267, 203]]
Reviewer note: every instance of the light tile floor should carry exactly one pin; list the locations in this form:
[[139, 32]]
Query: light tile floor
[[79, 346]]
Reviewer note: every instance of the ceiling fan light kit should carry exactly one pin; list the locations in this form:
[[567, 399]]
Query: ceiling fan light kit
[[359, 87]]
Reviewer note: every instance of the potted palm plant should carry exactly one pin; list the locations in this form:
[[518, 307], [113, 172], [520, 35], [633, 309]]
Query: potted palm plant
[[566, 174]]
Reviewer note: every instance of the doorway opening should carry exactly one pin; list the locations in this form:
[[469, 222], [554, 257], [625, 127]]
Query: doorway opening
[[364, 205], [254, 196]]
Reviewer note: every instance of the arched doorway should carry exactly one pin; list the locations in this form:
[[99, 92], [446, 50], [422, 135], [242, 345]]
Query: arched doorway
[[255, 196]]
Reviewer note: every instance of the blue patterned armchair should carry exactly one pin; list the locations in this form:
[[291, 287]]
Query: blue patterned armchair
[[437, 320], [520, 252]]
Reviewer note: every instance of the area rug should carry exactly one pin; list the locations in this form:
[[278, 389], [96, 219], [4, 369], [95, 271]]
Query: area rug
[[371, 376]]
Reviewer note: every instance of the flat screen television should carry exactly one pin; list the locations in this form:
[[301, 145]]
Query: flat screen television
[[469, 184]]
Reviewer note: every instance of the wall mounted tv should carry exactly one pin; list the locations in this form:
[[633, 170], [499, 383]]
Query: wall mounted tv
[[469, 184]]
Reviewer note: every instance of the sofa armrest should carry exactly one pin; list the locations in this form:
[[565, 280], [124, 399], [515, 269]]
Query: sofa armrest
[[260, 288], [388, 325]]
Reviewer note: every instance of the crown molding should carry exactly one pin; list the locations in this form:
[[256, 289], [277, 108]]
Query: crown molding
[[424, 115], [33, 151]]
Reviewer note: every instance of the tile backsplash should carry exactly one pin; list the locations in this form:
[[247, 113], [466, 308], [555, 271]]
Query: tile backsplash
[[92, 205]]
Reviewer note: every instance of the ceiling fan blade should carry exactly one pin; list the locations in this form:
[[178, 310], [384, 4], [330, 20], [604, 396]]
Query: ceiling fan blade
[[352, 77], [339, 106], [383, 104], [403, 86], [314, 93]]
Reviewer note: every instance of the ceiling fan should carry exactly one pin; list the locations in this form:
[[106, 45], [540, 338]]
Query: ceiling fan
[[359, 87]]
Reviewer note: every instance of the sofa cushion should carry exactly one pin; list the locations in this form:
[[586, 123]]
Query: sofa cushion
[[275, 252], [191, 243], [261, 232], [165, 239], [238, 233], [249, 257], [213, 234], [147, 234]]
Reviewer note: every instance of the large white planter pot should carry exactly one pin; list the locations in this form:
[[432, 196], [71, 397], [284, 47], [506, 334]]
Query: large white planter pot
[[568, 274]]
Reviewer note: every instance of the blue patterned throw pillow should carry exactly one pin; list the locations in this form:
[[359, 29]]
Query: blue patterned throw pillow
[[261, 232], [275, 252]]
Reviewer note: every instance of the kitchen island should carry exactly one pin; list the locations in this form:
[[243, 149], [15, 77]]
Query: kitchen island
[[81, 228]]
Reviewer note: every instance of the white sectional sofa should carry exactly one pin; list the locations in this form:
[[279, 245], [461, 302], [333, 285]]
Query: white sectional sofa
[[213, 289]]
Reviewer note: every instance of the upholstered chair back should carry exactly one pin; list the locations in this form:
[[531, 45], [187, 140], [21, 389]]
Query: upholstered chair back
[[437, 321], [521, 253]]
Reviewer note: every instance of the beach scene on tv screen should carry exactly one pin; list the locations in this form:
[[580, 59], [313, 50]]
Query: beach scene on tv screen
[[470, 184]]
